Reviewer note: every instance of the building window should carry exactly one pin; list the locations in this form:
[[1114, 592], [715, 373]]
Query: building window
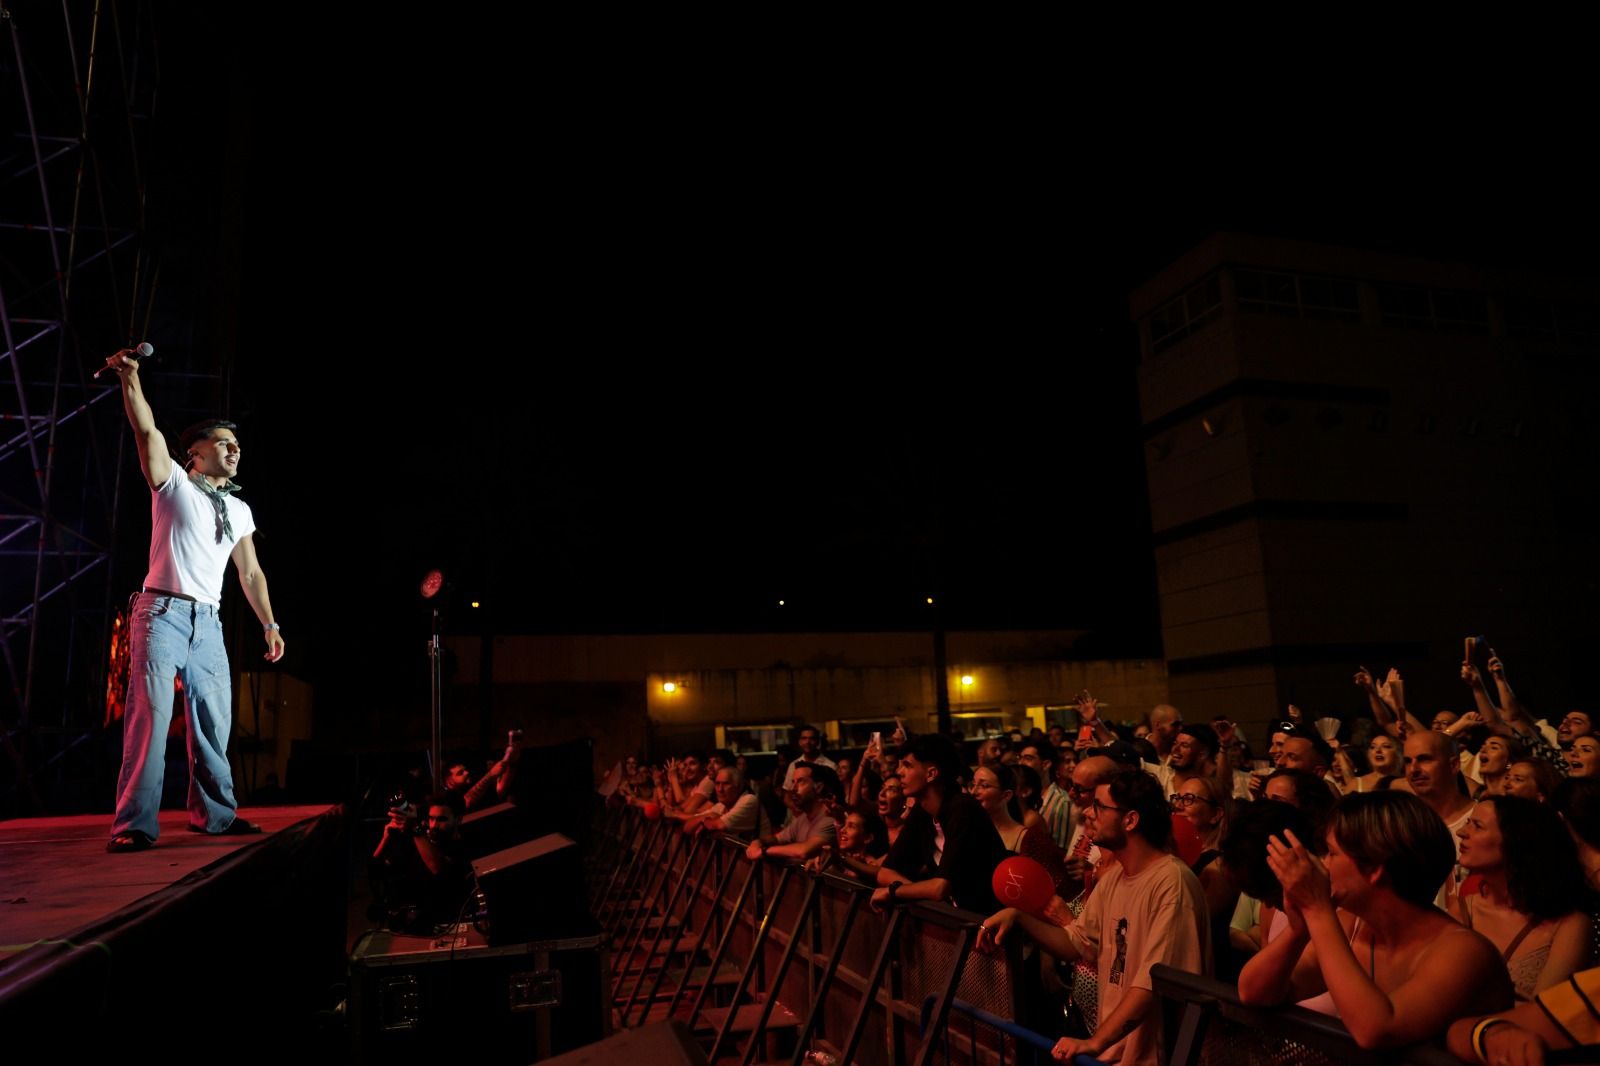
[[1176, 319], [1445, 310], [1528, 316], [1273, 292]]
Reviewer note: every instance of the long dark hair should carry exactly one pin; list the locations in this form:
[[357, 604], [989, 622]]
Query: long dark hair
[[1006, 777], [1577, 799], [1244, 848], [1027, 777], [872, 825], [1541, 861]]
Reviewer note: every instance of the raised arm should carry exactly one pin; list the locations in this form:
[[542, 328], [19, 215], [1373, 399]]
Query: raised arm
[[1089, 715], [1386, 716], [254, 583], [1393, 692], [1480, 695], [1228, 739], [853, 795], [153, 457], [1516, 714]]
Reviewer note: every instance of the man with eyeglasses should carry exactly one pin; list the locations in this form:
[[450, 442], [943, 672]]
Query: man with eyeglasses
[[1082, 855], [1054, 807], [1147, 909]]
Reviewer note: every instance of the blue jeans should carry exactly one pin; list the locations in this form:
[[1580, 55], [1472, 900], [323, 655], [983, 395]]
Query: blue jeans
[[171, 637]]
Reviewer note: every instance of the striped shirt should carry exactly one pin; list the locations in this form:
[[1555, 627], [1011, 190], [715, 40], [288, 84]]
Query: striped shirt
[[1056, 810]]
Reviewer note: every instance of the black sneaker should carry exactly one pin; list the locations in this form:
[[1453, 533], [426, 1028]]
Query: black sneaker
[[132, 840]]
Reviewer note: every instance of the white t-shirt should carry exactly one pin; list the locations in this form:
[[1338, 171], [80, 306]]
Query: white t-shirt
[[188, 551], [1129, 925], [742, 819]]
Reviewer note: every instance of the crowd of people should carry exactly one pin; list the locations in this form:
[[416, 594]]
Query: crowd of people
[[1419, 880]]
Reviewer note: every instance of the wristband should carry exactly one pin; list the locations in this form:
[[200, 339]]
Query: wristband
[[270, 625], [1478, 1032], [893, 885]]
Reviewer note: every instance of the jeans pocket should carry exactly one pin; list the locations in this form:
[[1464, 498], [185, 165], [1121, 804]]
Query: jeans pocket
[[154, 608]]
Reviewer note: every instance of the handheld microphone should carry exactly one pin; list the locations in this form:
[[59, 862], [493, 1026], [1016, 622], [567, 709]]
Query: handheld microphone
[[144, 350]]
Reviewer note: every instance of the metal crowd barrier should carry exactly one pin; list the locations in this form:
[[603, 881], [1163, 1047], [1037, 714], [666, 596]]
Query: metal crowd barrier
[[767, 961], [1204, 1023]]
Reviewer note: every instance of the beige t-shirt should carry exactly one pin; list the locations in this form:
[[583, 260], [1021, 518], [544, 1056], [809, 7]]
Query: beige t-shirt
[[1132, 923]]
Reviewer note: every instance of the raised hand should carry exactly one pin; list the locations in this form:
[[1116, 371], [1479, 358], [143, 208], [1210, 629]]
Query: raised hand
[[1497, 669], [1296, 715], [1305, 881], [1363, 679], [1088, 709]]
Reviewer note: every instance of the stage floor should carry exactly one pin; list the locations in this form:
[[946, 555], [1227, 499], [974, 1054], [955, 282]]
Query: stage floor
[[56, 875]]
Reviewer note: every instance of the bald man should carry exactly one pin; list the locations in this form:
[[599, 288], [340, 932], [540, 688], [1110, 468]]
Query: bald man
[[1082, 854], [1431, 762], [1164, 721]]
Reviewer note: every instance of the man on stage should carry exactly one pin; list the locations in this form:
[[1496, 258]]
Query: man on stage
[[173, 624]]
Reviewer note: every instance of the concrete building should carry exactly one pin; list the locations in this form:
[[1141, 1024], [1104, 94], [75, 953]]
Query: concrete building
[[1358, 458], [665, 693]]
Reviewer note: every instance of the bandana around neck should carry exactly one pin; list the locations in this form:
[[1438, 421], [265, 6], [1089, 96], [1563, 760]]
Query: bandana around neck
[[219, 500]]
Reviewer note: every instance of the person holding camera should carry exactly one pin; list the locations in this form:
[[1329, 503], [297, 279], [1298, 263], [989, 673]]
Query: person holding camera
[[421, 869]]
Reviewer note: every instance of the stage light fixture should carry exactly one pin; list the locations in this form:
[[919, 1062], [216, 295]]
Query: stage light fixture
[[432, 582]]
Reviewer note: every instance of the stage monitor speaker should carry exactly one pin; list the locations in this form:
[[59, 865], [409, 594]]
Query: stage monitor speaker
[[662, 1044], [535, 891], [493, 829]]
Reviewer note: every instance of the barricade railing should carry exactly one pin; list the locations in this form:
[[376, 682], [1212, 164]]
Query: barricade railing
[[766, 960], [1204, 1022]]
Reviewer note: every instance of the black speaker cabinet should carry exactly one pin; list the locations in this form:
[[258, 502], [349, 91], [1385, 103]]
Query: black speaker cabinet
[[535, 891], [492, 829]]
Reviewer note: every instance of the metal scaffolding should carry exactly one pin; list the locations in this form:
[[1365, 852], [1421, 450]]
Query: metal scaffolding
[[78, 281]]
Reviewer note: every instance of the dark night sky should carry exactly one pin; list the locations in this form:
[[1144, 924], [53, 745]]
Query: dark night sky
[[628, 358]]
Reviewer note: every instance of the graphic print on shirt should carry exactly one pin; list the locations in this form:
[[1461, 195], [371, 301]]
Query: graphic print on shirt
[[1121, 960]]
